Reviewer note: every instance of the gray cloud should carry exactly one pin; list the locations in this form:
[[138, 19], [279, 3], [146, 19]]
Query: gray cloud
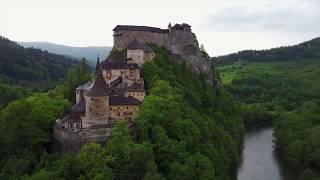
[[286, 16]]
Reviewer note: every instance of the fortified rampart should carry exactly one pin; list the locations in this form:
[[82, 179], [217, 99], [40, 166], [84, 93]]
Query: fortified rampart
[[179, 39], [123, 35], [72, 140]]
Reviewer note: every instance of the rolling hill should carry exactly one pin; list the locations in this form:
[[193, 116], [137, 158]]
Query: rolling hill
[[29, 64], [90, 52], [27, 70], [306, 50]]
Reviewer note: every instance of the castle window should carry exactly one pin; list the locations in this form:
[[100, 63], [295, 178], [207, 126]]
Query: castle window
[[127, 107], [98, 106], [111, 108], [97, 113]]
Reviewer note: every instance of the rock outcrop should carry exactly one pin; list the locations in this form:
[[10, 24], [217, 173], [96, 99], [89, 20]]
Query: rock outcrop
[[179, 39]]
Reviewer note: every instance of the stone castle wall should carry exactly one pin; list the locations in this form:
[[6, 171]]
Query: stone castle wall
[[83, 135], [67, 140], [122, 38], [124, 111], [97, 109], [181, 42]]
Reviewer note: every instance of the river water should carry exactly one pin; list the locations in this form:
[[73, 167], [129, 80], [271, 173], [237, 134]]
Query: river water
[[259, 160]]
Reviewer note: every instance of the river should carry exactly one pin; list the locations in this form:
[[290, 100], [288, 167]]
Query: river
[[259, 160]]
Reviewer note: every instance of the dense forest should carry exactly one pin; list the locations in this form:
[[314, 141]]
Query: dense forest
[[27, 70], [306, 50], [26, 125], [285, 94], [185, 130]]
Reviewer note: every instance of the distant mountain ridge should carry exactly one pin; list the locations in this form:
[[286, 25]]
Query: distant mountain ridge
[[306, 50], [30, 66], [89, 52]]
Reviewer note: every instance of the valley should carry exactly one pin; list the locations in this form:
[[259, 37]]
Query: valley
[[284, 94]]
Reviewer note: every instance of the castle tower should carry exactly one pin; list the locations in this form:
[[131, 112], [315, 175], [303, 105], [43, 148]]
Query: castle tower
[[97, 100]]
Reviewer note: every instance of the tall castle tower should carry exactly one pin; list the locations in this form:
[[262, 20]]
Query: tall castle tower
[[97, 100]]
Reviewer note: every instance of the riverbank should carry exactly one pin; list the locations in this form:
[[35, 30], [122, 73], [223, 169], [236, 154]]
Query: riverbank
[[259, 160]]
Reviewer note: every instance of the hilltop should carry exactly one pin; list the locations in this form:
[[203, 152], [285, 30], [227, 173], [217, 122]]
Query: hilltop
[[24, 65], [89, 52], [306, 50], [26, 70]]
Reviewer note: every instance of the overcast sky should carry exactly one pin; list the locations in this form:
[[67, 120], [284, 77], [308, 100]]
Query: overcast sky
[[223, 27]]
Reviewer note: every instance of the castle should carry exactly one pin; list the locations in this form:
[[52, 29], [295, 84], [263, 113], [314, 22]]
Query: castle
[[115, 94], [179, 39], [117, 90]]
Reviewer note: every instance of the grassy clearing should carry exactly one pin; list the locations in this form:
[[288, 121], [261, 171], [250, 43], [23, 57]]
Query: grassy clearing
[[308, 70]]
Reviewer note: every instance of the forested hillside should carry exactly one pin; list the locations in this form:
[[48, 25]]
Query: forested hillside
[[26, 126], [287, 95], [185, 130], [306, 50], [26, 70], [90, 52]]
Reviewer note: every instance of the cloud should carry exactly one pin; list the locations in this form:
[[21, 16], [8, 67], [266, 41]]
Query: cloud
[[257, 16]]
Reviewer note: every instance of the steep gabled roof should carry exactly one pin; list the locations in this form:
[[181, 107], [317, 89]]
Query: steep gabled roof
[[118, 65], [85, 86], [135, 88], [122, 100], [79, 107], [139, 28], [99, 87], [147, 49], [98, 67]]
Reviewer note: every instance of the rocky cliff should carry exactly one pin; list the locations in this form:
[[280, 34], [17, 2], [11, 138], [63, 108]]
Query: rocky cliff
[[179, 39]]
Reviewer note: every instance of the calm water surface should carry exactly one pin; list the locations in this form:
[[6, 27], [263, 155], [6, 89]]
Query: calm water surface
[[259, 160]]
